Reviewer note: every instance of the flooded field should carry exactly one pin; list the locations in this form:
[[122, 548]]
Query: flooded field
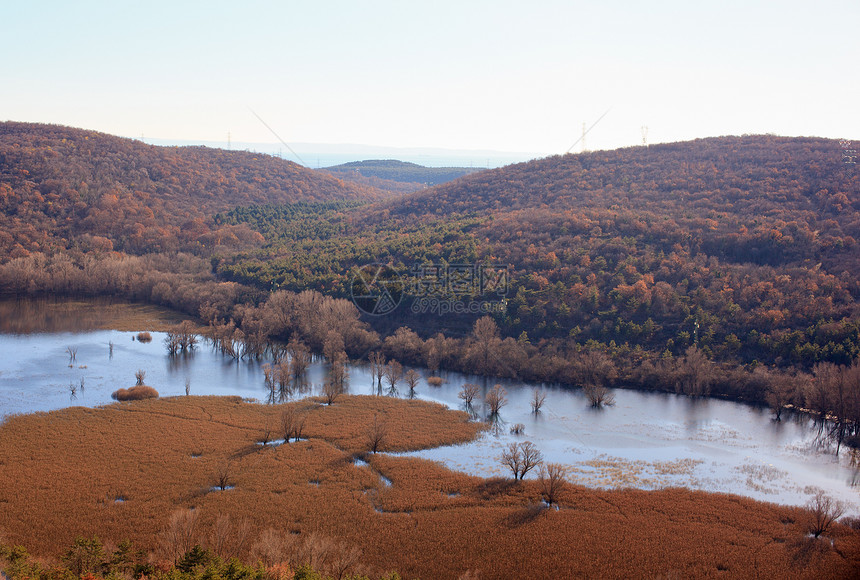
[[646, 440]]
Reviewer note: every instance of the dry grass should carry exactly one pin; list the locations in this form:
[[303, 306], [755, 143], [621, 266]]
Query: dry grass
[[135, 393], [61, 472]]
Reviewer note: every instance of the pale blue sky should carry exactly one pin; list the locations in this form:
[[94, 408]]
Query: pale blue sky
[[503, 75]]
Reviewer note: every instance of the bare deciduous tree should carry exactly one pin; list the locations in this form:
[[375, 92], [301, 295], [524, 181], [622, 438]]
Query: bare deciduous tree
[[468, 393], [521, 458], [512, 457], [272, 547], [377, 370], [180, 534], [538, 398], [495, 399], [412, 378], [266, 434], [393, 374], [330, 392], [269, 382], [292, 424], [223, 475], [140, 375], [376, 434], [73, 353], [824, 511], [282, 376], [598, 395], [531, 457], [553, 479], [300, 359]]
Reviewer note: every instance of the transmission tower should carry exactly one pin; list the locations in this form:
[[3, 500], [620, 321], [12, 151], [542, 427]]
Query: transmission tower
[[228, 140], [645, 135], [583, 137]]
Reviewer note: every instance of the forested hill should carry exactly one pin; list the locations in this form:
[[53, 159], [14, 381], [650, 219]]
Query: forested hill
[[761, 199], [744, 246], [397, 175], [60, 185], [749, 242]]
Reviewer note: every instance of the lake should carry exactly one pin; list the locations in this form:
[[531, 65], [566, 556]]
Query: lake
[[646, 440]]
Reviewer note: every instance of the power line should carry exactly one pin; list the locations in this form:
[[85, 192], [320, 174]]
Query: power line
[[589, 129], [279, 137]]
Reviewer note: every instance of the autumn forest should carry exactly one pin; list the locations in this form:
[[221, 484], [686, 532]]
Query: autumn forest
[[724, 267]]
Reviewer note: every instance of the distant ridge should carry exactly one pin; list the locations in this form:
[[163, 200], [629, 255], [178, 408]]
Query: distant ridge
[[397, 175]]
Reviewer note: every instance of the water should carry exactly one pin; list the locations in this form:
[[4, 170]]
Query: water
[[646, 440]]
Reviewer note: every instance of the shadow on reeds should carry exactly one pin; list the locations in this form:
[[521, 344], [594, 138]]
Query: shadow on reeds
[[525, 516], [494, 487]]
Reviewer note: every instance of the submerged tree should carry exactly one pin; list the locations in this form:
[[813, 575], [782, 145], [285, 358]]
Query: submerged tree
[[412, 378], [495, 399], [538, 398]]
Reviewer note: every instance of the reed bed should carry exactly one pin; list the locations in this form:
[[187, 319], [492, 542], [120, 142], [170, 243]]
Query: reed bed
[[61, 474]]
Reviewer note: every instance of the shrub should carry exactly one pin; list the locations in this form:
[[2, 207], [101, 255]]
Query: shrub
[[135, 393], [435, 381], [144, 337]]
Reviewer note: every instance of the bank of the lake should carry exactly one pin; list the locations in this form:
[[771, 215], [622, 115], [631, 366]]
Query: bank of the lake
[[646, 440]]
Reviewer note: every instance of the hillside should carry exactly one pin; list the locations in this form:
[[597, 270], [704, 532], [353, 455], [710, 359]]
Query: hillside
[[743, 246], [62, 187], [399, 171]]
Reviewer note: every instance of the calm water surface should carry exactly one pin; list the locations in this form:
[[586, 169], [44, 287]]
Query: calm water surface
[[646, 440]]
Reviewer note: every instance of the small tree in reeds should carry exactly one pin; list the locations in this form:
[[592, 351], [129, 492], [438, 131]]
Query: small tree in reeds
[[223, 475], [496, 399], [330, 392], [292, 424], [376, 434], [266, 434], [824, 511], [553, 480], [538, 398], [521, 458]]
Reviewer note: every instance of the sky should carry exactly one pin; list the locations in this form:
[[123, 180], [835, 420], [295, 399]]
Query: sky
[[491, 75]]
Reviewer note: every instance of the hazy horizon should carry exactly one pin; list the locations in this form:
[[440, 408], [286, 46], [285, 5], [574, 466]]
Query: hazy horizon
[[477, 76]]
